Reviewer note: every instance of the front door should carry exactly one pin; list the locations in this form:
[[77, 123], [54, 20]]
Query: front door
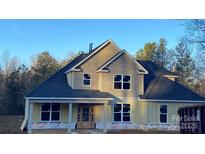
[[85, 116]]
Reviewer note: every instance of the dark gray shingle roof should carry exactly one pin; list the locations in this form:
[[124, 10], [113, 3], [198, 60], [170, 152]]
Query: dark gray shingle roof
[[57, 86], [159, 87]]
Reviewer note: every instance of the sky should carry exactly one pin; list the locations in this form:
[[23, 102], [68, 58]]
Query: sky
[[27, 38]]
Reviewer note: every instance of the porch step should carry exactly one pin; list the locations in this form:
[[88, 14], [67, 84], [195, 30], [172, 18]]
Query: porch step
[[87, 131]]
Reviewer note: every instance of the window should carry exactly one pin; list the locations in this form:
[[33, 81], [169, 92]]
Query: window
[[121, 112], [122, 82], [86, 79], [163, 113], [50, 112]]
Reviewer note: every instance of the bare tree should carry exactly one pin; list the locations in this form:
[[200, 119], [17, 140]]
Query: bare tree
[[5, 58]]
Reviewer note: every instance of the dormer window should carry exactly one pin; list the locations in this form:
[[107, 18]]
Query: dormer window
[[87, 79], [122, 82]]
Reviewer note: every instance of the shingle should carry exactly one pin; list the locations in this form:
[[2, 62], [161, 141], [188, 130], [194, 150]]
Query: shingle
[[57, 86], [159, 87]]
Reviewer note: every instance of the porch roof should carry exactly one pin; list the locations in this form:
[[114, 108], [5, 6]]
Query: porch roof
[[57, 86], [71, 94]]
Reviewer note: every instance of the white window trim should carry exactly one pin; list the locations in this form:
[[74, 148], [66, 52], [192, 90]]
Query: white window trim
[[50, 114], [113, 121], [163, 114], [122, 82], [87, 79]]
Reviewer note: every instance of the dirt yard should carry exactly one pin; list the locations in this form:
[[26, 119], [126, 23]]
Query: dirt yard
[[11, 124]]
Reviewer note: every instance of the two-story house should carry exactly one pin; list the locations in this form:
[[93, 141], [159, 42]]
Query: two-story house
[[107, 88]]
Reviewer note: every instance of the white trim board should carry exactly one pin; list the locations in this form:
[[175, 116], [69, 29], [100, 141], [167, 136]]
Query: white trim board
[[176, 101], [110, 61], [174, 76], [118, 55], [109, 41], [67, 98]]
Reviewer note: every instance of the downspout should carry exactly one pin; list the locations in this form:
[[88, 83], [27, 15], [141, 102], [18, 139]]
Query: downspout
[[24, 123]]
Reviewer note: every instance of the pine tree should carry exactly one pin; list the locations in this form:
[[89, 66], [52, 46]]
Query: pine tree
[[184, 64]]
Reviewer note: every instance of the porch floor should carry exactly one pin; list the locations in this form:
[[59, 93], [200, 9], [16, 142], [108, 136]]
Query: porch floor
[[100, 131], [65, 131]]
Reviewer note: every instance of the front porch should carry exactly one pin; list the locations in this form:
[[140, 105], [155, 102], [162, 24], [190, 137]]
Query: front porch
[[71, 115], [110, 131], [64, 131]]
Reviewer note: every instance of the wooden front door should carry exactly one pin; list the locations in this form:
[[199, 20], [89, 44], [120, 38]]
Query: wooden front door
[[85, 116]]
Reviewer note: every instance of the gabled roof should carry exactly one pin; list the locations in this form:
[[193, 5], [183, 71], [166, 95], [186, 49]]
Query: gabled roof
[[91, 53], [156, 85], [104, 68], [159, 87], [57, 86]]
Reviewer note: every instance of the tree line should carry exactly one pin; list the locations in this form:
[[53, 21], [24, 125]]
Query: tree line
[[187, 60], [17, 80]]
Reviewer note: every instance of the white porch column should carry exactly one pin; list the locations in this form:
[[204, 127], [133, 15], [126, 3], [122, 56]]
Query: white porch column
[[30, 115], [70, 118], [105, 118]]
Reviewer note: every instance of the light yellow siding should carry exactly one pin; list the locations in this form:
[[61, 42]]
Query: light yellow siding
[[70, 78], [36, 112], [63, 112], [171, 78], [104, 81], [122, 65], [153, 111], [140, 84], [91, 65]]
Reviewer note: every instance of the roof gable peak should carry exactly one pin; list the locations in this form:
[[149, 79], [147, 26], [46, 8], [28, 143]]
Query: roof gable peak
[[103, 67], [93, 52]]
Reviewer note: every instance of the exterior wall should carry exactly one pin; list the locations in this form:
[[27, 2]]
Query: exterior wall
[[38, 124], [143, 115], [140, 84], [91, 66], [70, 78], [152, 110], [104, 81], [171, 77], [123, 65]]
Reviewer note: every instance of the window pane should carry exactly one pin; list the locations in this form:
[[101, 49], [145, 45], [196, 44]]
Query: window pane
[[86, 76], [163, 109], [126, 107], [86, 82], [126, 85], [45, 116], [117, 85], [126, 78], [46, 107], [117, 107], [55, 116], [55, 107], [126, 116], [117, 116], [117, 78], [163, 118], [85, 114]]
